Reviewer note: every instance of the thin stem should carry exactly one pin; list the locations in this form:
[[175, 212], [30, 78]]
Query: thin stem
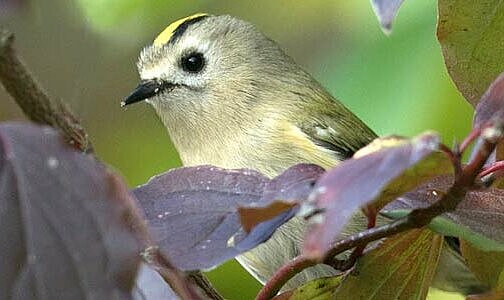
[[367, 236], [455, 157], [38, 107], [495, 167], [32, 99], [473, 135], [344, 265], [286, 272], [416, 219]]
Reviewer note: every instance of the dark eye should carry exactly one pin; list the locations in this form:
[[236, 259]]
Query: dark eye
[[193, 62]]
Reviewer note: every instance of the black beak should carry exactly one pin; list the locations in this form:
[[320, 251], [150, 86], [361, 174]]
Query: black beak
[[145, 90]]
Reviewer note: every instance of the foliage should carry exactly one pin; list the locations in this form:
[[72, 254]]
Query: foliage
[[408, 258], [194, 213], [478, 219], [376, 175], [470, 34], [65, 221], [72, 229]]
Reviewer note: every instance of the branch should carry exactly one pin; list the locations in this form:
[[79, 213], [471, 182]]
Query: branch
[[496, 167], [32, 99], [282, 275], [420, 217], [38, 107]]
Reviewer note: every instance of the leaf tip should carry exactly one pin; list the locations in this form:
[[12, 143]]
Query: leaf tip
[[386, 11]]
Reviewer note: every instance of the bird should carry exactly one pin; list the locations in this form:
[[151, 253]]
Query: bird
[[229, 96]]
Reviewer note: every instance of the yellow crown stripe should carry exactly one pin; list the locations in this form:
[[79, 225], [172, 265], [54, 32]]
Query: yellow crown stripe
[[165, 36]]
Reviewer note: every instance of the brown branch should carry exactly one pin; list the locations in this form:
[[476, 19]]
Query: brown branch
[[473, 135], [464, 181], [32, 99], [38, 107], [286, 272]]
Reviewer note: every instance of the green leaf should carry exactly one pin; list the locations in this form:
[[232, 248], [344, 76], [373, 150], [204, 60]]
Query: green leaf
[[402, 267], [500, 281], [486, 265], [318, 289], [471, 37]]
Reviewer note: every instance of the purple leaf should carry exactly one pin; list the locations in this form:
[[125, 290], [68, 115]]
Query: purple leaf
[[263, 231], [386, 11], [288, 188], [64, 221], [490, 108], [150, 285], [481, 211], [293, 184], [375, 178], [193, 211], [491, 105], [8, 8]]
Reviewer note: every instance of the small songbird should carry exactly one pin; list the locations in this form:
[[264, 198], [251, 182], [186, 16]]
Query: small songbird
[[230, 97]]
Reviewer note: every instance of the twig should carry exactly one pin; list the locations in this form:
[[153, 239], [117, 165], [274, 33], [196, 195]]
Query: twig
[[35, 103], [455, 156], [495, 167], [344, 265], [418, 218], [473, 135], [32, 99], [286, 272]]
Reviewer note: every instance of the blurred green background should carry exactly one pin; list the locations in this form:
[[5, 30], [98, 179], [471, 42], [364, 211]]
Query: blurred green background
[[84, 52]]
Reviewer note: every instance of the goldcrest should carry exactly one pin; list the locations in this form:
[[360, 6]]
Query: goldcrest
[[230, 97]]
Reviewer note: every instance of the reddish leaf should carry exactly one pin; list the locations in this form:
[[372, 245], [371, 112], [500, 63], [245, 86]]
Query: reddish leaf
[[280, 194], [377, 178], [250, 217], [193, 212], [66, 228], [386, 11], [491, 108], [491, 104]]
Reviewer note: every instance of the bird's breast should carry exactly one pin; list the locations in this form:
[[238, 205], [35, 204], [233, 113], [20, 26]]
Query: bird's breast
[[268, 149]]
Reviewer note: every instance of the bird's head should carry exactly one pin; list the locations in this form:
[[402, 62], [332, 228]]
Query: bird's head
[[216, 65]]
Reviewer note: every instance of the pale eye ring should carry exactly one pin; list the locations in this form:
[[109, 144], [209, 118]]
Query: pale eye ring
[[193, 62]]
